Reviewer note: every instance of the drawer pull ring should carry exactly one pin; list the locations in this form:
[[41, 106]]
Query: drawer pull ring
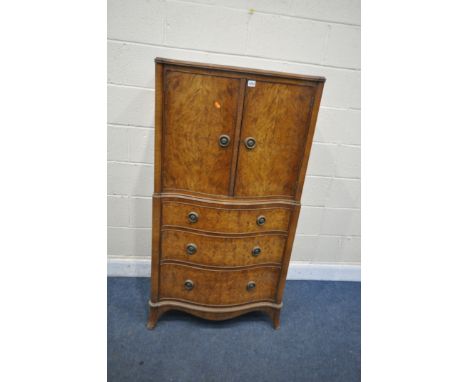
[[188, 284], [191, 249], [192, 217], [261, 220], [256, 251], [250, 143], [224, 140], [251, 285]]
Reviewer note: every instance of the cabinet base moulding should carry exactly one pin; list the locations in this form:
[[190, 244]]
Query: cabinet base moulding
[[156, 310]]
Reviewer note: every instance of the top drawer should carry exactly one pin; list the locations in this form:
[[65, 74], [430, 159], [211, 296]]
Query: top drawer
[[225, 219]]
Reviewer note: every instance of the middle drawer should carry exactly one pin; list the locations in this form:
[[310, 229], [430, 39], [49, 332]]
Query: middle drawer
[[225, 219], [221, 251]]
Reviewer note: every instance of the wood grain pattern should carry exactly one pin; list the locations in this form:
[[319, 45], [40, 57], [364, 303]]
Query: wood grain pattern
[[218, 287], [198, 110], [229, 188], [217, 219], [222, 251], [276, 116]]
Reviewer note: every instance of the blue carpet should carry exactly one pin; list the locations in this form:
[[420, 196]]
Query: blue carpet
[[319, 338]]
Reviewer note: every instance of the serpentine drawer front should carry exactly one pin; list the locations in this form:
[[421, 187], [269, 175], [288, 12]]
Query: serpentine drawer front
[[231, 152], [222, 219], [218, 287], [222, 251]]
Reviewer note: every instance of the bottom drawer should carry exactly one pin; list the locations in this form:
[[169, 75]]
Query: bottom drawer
[[218, 287]]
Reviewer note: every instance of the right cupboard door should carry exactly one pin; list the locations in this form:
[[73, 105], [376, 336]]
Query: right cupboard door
[[275, 124]]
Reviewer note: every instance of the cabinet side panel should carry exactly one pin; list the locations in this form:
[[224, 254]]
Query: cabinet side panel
[[155, 248], [287, 252], [156, 205], [310, 137], [158, 126]]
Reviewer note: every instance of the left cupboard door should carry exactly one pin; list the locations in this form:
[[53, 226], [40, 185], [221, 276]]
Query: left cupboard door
[[198, 134]]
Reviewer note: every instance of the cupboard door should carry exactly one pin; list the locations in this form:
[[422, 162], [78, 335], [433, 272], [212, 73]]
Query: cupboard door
[[199, 124], [273, 136]]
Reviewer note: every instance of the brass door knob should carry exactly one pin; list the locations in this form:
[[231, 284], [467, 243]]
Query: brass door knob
[[188, 284], [251, 285], [250, 143], [256, 251], [261, 220], [191, 248], [224, 140], [192, 217]]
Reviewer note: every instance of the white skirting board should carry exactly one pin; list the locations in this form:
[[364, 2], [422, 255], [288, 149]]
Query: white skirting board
[[298, 270]]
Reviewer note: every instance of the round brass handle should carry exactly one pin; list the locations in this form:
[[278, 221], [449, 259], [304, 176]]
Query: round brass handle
[[191, 248], [256, 251], [192, 217], [261, 220], [250, 143], [224, 140], [251, 285], [188, 284]]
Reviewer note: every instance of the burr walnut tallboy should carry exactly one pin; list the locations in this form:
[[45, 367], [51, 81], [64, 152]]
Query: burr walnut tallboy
[[231, 152]]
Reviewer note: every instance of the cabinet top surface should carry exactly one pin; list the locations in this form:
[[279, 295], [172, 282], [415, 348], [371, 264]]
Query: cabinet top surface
[[239, 69]]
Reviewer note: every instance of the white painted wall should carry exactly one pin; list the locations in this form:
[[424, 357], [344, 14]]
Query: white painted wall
[[316, 37]]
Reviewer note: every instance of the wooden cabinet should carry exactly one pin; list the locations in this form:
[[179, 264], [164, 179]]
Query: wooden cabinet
[[231, 152]]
